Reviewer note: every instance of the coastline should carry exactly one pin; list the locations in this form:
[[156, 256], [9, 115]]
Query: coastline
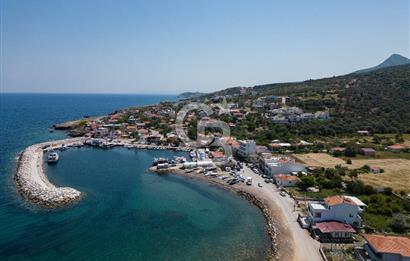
[[285, 234], [283, 245], [32, 183]]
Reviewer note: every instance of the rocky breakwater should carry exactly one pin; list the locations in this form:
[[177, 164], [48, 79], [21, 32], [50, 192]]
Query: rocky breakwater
[[33, 184]]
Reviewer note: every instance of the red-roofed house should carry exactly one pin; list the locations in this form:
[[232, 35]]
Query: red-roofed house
[[218, 154], [383, 248], [344, 209], [333, 231], [286, 180], [396, 148], [337, 150]]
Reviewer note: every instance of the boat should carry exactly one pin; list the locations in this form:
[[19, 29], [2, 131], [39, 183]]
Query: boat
[[157, 161], [52, 157]]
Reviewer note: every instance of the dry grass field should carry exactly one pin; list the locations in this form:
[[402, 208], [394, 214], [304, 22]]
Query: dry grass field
[[396, 175]]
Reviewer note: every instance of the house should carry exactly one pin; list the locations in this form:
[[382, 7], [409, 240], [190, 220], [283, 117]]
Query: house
[[233, 143], [140, 125], [384, 248], [218, 155], [246, 148], [363, 132], [279, 120], [396, 148], [132, 120], [333, 232], [322, 115], [283, 180], [258, 104], [101, 132], [344, 209], [154, 138], [280, 145], [262, 149], [367, 151], [272, 166], [337, 150]]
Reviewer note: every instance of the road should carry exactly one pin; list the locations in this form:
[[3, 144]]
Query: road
[[305, 247]]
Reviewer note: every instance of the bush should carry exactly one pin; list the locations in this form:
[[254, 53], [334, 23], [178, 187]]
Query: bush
[[388, 191], [306, 182], [398, 222]]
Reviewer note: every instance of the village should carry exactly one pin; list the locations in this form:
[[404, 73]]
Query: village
[[323, 178]]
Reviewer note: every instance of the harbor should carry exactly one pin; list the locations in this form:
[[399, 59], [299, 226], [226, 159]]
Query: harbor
[[33, 184]]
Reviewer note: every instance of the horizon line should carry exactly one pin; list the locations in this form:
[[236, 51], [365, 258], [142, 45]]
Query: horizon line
[[95, 93]]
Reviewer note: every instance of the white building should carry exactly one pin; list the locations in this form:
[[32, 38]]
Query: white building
[[344, 209], [246, 148], [272, 166]]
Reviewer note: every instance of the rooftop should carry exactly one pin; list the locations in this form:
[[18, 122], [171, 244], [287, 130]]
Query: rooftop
[[389, 244], [286, 177], [333, 226], [317, 206], [337, 200]]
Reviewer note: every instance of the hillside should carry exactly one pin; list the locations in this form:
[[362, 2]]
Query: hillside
[[377, 101]]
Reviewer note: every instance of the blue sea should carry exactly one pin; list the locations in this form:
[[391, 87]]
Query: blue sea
[[127, 213]]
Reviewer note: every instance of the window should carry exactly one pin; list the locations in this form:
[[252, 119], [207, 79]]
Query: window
[[318, 215]]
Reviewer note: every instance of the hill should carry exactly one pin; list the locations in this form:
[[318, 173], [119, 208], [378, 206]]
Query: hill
[[188, 95], [393, 60], [377, 101]]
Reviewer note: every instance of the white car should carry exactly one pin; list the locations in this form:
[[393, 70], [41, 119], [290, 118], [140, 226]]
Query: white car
[[283, 193]]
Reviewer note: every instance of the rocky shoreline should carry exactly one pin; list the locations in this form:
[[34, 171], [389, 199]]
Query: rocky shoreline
[[32, 183]]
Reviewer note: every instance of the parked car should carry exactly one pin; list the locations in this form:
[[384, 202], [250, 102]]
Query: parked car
[[283, 193]]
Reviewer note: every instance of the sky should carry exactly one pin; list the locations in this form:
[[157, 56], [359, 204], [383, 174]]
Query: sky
[[168, 47]]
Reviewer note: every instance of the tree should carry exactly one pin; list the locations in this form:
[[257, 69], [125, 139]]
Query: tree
[[398, 222], [306, 182], [351, 150], [399, 138]]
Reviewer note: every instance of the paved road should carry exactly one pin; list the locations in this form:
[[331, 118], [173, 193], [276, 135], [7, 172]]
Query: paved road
[[306, 248]]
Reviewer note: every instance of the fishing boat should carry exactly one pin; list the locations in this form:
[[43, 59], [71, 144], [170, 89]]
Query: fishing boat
[[52, 157]]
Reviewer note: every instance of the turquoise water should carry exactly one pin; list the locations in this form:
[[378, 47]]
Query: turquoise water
[[127, 213]]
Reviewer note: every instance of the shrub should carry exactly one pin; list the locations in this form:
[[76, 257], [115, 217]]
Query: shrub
[[398, 222]]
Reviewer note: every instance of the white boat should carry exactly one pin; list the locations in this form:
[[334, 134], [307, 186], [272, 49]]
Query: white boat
[[53, 157]]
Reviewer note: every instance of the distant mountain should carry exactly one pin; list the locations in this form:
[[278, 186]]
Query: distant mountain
[[188, 95], [393, 60]]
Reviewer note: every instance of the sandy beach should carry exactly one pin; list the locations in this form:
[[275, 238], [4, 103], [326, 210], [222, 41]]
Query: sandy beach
[[289, 240], [32, 183]]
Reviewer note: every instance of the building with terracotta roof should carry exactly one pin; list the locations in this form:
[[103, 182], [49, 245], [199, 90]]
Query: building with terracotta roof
[[396, 148], [283, 180], [386, 248], [337, 150], [333, 231], [342, 208]]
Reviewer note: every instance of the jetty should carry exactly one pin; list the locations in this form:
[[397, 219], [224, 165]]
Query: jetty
[[33, 184]]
